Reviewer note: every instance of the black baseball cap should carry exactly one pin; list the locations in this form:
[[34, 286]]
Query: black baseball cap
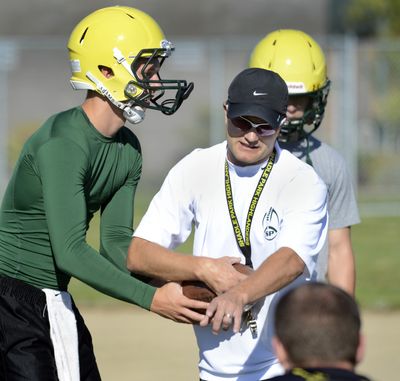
[[258, 92]]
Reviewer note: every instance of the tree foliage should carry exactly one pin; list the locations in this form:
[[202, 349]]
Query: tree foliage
[[373, 17]]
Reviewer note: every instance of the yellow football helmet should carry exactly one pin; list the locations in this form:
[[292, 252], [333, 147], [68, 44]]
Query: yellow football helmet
[[124, 40], [300, 61]]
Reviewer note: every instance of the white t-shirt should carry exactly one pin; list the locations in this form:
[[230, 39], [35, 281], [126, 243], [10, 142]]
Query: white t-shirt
[[291, 212]]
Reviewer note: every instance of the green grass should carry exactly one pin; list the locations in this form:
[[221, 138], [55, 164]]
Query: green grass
[[376, 243]]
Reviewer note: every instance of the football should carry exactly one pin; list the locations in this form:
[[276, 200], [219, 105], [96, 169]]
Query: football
[[200, 291]]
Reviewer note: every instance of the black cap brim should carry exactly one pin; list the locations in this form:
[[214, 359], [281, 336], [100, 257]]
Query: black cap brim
[[251, 109]]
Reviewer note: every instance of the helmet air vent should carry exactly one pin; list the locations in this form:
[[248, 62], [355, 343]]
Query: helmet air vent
[[83, 36]]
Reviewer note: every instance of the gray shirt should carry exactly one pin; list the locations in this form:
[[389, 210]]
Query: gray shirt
[[332, 169]]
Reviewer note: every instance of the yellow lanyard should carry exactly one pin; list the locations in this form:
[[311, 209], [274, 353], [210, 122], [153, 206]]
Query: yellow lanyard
[[244, 243]]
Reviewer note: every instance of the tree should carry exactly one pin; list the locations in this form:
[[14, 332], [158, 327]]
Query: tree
[[368, 18]]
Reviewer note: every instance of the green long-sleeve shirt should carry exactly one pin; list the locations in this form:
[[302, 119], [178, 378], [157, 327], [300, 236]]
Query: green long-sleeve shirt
[[66, 172]]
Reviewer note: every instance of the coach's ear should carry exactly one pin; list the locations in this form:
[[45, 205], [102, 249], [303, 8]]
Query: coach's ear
[[225, 107], [281, 353]]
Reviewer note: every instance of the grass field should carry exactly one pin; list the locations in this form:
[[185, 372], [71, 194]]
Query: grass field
[[132, 344], [376, 244]]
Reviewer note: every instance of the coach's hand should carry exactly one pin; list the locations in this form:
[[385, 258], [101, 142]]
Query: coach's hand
[[219, 274], [170, 303], [225, 311]]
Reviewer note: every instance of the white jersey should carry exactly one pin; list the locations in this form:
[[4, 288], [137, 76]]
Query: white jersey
[[291, 212]]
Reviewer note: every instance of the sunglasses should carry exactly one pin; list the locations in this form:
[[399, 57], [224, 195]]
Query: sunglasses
[[245, 125]]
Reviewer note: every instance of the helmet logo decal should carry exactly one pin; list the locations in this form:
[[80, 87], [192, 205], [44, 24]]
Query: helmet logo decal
[[296, 87], [270, 224]]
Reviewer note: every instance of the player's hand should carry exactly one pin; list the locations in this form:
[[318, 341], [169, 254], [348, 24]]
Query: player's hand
[[225, 311], [170, 303], [219, 274]]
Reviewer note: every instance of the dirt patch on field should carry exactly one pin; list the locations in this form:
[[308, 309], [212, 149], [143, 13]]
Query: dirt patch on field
[[134, 345]]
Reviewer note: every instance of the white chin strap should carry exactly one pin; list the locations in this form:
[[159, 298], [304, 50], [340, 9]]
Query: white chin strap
[[132, 113]]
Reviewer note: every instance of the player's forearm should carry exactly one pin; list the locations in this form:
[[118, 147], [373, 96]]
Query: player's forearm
[[85, 263], [341, 263], [276, 272], [151, 259], [341, 271]]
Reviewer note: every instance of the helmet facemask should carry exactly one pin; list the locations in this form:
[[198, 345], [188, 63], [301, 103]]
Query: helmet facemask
[[165, 95], [297, 129]]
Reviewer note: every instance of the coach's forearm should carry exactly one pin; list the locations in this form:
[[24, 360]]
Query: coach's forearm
[[276, 272], [151, 259]]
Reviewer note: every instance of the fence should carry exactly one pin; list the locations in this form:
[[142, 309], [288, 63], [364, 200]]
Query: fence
[[362, 120]]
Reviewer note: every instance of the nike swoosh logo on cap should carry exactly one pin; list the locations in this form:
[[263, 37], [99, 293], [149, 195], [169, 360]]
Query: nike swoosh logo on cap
[[255, 93]]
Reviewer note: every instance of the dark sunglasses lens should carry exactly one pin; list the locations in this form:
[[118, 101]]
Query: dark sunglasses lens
[[241, 123], [265, 131], [244, 125]]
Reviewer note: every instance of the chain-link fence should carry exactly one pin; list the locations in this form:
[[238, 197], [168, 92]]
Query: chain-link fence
[[362, 120], [378, 124]]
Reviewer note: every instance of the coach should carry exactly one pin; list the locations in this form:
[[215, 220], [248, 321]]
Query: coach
[[246, 198]]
